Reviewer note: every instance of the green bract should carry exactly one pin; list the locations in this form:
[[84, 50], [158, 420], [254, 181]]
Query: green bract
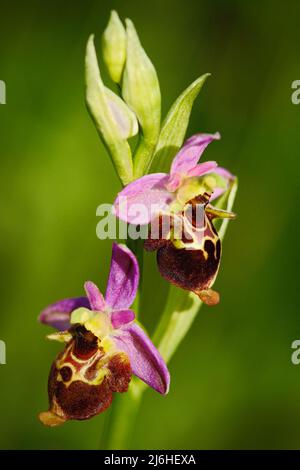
[[175, 125], [141, 92], [124, 117]]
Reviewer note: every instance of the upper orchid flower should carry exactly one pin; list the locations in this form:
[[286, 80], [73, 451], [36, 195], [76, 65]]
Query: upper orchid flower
[[187, 179], [104, 346], [190, 264]]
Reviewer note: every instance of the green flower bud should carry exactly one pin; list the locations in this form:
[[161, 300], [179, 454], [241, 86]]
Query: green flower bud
[[114, 47], [113, 120], [141, 91]]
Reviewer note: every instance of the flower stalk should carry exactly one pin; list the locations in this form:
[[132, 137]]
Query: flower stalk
[[177, 318], [137, 247], [104, 345], [120, 423]]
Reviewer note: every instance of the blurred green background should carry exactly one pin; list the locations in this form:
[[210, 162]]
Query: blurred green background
[[233, 383]]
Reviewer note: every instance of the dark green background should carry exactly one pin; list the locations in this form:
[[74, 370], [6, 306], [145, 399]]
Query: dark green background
[[233, 384]]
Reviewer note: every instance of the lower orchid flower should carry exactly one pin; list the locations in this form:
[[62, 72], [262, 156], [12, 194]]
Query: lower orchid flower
[[191, 262], [104, 346]]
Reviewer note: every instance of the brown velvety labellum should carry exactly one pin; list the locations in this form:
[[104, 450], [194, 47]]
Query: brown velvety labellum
[[190, 269], [193, 267], [158, 233], [83, 378]]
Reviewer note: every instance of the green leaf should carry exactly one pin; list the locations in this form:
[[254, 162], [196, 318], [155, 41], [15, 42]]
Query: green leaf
[[175, 125], [140, 90], [101, 113]]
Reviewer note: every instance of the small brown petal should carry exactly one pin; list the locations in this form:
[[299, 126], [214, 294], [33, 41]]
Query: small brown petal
[[209, 297], [50, 419]]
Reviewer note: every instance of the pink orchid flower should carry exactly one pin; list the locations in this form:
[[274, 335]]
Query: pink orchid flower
[[158, 191], [190, 264], [104, 346]]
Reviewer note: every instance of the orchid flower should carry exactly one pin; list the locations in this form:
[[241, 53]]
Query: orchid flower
[[189, 264], [104, 346]]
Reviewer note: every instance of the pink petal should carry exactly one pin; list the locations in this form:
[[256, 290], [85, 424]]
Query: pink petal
[[227, 176], [123, 278], [202, 169], [217, 193], [121, 317], [95, 297], [174, 182], [58, 314], [225, 173], [142, 199], [188, 157], [145, 360]]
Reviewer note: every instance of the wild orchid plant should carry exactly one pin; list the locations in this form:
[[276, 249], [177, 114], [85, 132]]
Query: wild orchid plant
[[104, 344]]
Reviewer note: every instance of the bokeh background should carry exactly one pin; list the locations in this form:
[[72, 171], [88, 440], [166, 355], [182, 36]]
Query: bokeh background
[[233, 383]]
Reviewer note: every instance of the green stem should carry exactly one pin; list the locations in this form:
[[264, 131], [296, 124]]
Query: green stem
[[137, 247], [122, 419], [179, 313], [143, 156]]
